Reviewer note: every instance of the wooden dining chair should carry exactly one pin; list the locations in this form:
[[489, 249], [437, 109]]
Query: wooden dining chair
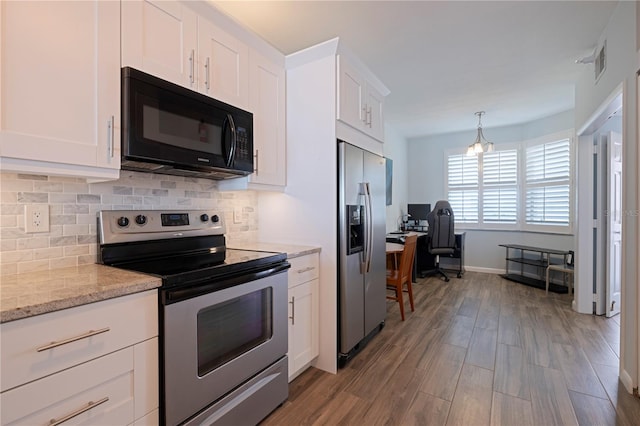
[[401, 275]]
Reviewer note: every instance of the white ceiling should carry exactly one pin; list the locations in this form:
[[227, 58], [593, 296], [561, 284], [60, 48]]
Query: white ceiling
[[444, 60]]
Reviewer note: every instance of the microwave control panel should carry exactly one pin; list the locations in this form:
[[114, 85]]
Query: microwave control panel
[[243, 151]]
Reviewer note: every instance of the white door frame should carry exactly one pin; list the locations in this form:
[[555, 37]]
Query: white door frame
[[583, 301]]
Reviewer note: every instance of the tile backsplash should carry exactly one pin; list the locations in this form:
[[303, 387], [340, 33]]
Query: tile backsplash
[[73, 204]]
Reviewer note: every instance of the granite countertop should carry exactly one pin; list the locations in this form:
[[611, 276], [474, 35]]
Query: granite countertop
[[35, 293], [292, 250]]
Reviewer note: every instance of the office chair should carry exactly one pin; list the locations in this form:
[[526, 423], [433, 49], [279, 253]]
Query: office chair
[[442, 239]]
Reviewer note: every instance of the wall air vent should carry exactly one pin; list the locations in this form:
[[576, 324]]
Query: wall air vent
[[601, 61]]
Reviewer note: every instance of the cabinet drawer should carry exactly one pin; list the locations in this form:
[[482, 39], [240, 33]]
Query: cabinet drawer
[[83, 333], [303, 269], [104, 383]]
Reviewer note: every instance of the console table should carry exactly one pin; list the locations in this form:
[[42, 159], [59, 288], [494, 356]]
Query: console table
[[519, 256]]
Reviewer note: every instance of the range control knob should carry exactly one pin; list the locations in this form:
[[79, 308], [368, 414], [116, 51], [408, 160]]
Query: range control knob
[[141, 219], [123, 221], [204, 217], [215, 218]]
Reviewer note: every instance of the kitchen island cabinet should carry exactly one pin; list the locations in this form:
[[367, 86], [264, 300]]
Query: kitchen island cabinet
[[97, 363], [63, 119]]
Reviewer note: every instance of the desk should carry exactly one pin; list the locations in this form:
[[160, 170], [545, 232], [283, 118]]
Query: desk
[[424, 262]]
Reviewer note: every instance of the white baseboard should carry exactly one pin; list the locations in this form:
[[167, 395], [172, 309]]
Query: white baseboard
[[484, 270], [626, 380]]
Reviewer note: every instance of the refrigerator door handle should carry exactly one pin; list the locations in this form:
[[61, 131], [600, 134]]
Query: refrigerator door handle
[[368, 225], [362, 192]]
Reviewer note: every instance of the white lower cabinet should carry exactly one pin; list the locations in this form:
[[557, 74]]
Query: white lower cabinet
[[303, 313], [97, 392], [105, 374]]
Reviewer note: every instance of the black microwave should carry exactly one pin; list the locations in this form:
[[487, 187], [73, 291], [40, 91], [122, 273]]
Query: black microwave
[[172, 130]]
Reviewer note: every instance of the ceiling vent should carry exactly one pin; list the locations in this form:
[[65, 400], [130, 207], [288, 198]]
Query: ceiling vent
[[601, 61]]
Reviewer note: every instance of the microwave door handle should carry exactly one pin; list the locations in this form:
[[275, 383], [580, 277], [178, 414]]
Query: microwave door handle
[[234, 140]]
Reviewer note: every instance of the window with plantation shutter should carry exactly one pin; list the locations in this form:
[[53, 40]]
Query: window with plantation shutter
[[462, 179], [500, 187], [547, 186], [519, 186]]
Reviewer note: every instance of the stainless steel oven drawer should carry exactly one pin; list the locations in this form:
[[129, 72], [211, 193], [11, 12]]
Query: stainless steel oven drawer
[[250, 402]]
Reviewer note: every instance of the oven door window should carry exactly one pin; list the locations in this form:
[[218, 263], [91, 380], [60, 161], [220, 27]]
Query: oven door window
[[231, 328]]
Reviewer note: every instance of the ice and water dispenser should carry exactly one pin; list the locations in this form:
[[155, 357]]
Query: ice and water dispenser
[[355, 227]]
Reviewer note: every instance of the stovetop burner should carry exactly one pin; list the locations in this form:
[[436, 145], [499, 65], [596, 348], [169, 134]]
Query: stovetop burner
[[181, 247], [185, 269]]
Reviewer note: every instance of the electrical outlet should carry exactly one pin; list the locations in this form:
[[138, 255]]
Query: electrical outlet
[[237, 215], [36, 218]]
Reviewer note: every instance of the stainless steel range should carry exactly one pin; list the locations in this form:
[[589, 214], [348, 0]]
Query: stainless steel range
[[223, 314]]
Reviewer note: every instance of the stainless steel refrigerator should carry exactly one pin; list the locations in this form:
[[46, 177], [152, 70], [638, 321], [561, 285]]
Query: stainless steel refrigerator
[[361, 241]]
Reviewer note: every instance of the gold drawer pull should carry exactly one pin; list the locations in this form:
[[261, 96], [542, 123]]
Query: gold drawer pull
[[307, 269], [89, 406], [73, 339]]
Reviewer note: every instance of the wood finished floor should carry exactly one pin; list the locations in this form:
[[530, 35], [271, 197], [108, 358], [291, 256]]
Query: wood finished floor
[[479, 350]]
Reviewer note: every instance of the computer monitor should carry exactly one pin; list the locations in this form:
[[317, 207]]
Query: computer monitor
[[418, 212]]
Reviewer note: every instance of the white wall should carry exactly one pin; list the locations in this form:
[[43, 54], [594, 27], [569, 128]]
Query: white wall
[[622, 63], [395, 148], [426, 161]]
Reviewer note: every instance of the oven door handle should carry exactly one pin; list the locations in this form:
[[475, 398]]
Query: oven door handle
[[170, 296]]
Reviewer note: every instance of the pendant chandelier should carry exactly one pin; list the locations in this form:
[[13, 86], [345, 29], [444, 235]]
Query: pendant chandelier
[[478, 146]]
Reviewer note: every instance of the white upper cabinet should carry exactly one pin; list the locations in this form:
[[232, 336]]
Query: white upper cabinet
[[223, 65], [169, 40], [360, 104], [267, 101], [161, 38], [375, 108], [351, 100], [60, 88]]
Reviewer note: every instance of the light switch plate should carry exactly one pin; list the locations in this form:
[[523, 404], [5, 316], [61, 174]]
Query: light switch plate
[[36, 218]]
